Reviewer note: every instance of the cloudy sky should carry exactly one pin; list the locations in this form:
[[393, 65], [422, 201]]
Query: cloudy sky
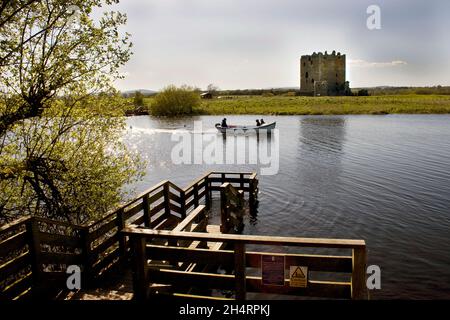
[[258, 43]]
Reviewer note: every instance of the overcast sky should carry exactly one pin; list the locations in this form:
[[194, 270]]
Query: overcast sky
[[258, 43]]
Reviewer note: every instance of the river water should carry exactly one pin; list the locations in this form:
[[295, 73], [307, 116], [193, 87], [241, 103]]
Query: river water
[[384, 179]]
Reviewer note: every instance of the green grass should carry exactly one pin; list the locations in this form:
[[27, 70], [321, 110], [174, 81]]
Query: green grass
[[280, 105], [283, 105]]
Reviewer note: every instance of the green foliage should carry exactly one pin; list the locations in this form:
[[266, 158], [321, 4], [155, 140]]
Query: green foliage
[[138, 100], [61, 155], [363, 93], [175, 101]]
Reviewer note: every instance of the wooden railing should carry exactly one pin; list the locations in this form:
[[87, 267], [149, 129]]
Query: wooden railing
[[240, 260], [35, 252]]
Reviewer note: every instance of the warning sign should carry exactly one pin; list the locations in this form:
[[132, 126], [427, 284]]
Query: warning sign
[[298, 276], [272, 269]]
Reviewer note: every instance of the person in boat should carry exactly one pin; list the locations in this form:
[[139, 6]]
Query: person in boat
[[224, 123], [262, 121], [257, 123]]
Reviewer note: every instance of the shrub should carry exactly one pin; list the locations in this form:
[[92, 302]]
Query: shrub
[[173, 101], [267, 94], [138, 99], [363, 93]]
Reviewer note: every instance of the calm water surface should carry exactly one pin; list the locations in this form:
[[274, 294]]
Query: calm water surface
[[385, 179]]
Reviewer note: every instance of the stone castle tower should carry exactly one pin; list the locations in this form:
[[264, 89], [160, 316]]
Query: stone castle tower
[[323, 74]]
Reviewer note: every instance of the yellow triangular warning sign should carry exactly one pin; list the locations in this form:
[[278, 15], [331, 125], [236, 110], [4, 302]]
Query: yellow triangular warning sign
[[298, 276], [298, 273]]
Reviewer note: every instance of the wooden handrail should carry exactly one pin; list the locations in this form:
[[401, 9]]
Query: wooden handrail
[[134, 231], [14, 224]]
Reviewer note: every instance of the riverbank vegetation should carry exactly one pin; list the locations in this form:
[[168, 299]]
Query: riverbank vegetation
[[299, 105], [61, 155]]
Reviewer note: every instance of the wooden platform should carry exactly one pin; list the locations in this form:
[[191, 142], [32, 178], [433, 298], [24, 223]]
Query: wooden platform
[[119, 285]]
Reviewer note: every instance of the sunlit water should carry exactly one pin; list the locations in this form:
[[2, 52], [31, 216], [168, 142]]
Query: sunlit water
[[385, 179]]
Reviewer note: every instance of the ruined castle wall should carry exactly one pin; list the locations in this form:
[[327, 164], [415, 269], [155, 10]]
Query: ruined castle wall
[[322, 67]]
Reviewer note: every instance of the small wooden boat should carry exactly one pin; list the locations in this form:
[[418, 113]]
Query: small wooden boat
[[234, 128]]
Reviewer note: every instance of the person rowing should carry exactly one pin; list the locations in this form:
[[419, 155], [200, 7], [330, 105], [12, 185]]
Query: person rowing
[[262, 121], [224, 123], [257, 123]]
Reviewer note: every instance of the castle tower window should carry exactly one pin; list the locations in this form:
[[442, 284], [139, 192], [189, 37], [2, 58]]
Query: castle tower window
[[306, 75], [312, 80]]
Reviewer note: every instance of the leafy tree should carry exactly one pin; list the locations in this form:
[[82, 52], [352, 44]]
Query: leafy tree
[[212, 89], [174, 101], [60, 149], [138, 99]]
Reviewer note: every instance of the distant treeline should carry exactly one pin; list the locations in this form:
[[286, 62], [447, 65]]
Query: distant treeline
[[378, 91], [372, 91]]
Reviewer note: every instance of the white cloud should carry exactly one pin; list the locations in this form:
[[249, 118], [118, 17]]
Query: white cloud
[[368, 64]]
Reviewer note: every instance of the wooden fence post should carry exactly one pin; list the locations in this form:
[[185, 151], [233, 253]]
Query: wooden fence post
[[140, 281], [207, 194], [87, 259], [183, 204], [34, 246], [223, 211], [122, 240], [166, 199], [359, 288], [196, 200], [239, 270], [146, 206]]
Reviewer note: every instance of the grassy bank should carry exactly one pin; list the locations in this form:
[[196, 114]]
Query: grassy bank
[[285, 105], [327, 105]]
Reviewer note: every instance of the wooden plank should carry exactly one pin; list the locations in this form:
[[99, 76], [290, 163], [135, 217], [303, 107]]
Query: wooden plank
[[138, 221], [103, 262], [190, 204], [16, 224], [189, 193], [322, 263], [191, 279], [103, 229], [253, 259], [59, 223], [320, 289], [60, 258], [15, 265], [202, 194], [197, 213], [248, 239], [59, 240], [158, 220], [175, 187], [13, 243], [230, 180], [174, 197], [156, 197], [16, 288], [185, 296], [174, 208], [134, 210], [157, 208], [106, 244]]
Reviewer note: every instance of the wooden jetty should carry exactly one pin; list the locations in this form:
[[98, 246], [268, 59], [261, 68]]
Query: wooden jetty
[[165, 236]]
